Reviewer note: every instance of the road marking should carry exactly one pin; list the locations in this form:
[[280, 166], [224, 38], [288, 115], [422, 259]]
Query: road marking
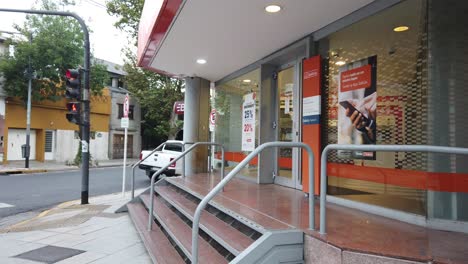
[[5, 205]]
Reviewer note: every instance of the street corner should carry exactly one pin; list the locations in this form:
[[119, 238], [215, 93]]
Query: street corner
[[67, 214]]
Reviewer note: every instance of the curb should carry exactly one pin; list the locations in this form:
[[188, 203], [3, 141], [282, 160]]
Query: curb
[[22, 171], [32, 171]]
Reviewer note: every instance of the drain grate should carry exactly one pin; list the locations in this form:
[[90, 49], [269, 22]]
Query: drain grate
[[49, 254]]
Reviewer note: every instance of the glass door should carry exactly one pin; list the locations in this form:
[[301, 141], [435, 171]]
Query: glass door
[[287, 125]]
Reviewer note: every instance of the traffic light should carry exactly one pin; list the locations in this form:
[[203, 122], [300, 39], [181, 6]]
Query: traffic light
[[73, 114], [73, 84], [73, 91]]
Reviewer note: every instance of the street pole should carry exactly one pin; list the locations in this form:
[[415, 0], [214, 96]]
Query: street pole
[[85, 97], [126, 108], [124, 163], [28, 110]]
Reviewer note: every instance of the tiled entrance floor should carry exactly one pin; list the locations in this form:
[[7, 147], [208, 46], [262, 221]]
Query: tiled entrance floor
[[346, 228]]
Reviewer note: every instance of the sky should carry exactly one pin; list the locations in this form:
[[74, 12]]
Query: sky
[[106, 41]]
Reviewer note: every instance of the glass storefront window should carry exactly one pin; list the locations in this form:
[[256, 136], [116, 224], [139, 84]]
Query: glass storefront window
[[228, 102], [285, 120], [398, 113]]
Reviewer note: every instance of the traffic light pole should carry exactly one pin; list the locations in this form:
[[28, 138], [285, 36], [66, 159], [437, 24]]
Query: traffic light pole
[[28, 110], [85, 120]]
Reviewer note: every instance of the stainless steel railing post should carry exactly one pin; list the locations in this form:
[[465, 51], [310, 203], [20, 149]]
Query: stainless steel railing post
[[231, 174], [138, 163], [183, 161], [157, 173]]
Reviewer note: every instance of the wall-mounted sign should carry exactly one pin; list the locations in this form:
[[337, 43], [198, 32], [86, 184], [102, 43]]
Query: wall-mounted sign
[[212, 119], [248, 122], [179, 107], [357, 109], [124, 122], [311, 110], [126, 106]]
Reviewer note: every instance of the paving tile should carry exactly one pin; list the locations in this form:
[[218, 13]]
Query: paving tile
[[62, 229], [12, 249], [49, 254], [31, 236], [142, 259], [317, 251], [359, 258], [5, 260], [127, 255], [84, 258], [57, 238], [72, 241], [86, 230], [106, 245]]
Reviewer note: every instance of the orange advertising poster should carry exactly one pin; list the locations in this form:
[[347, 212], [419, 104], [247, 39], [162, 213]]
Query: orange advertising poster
[[357, 107], [358, 78]]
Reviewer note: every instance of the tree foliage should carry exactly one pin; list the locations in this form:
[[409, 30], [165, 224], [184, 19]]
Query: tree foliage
[[128, 13], [56, 45], [155, 92]]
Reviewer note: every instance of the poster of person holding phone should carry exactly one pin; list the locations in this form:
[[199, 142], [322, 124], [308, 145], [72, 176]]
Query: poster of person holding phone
[[357, 98]]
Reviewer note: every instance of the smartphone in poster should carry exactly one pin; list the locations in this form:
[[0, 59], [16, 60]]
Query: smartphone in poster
[[357, 110], [248, 122]]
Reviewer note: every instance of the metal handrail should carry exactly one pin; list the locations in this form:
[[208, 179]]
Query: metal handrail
[[245, 161], [138, 163], [208, 143], [153, 178], [384, 148]]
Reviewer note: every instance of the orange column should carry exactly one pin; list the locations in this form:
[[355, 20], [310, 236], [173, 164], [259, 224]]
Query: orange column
[[311, 76]]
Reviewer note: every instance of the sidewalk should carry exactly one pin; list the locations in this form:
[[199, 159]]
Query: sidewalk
[[17, 167], [74, 233]]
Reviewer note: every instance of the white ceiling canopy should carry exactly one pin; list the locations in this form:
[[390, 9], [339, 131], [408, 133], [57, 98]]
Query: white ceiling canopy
[[230, 35]]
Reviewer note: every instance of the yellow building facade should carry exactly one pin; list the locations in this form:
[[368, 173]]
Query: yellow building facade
[[52, 136]]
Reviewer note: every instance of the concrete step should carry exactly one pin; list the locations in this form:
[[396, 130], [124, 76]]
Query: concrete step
[[157, 244], [229, 237], [181, 232]]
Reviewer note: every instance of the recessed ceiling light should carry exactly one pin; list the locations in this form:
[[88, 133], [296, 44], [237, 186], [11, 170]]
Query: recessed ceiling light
[[246, 81], [401, 28], [340, 63], [273, 8], [201, 61]]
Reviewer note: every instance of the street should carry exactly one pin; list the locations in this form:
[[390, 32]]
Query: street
[[34, 192]]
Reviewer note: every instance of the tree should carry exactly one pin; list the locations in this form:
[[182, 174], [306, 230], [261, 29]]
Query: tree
[[57, 45], [128, 13], [156, 93]]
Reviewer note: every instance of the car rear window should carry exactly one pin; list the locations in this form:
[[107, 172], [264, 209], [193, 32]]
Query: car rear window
[[173, 147]]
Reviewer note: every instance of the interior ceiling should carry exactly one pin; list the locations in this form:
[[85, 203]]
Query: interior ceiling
[[233, 34]]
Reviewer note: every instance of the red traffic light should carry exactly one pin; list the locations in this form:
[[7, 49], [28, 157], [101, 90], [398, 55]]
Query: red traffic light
[[73, 84], [72, 74], [73, 114], [73, 107]]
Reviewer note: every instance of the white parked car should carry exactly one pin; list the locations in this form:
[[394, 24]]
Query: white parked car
[[170, 150]]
